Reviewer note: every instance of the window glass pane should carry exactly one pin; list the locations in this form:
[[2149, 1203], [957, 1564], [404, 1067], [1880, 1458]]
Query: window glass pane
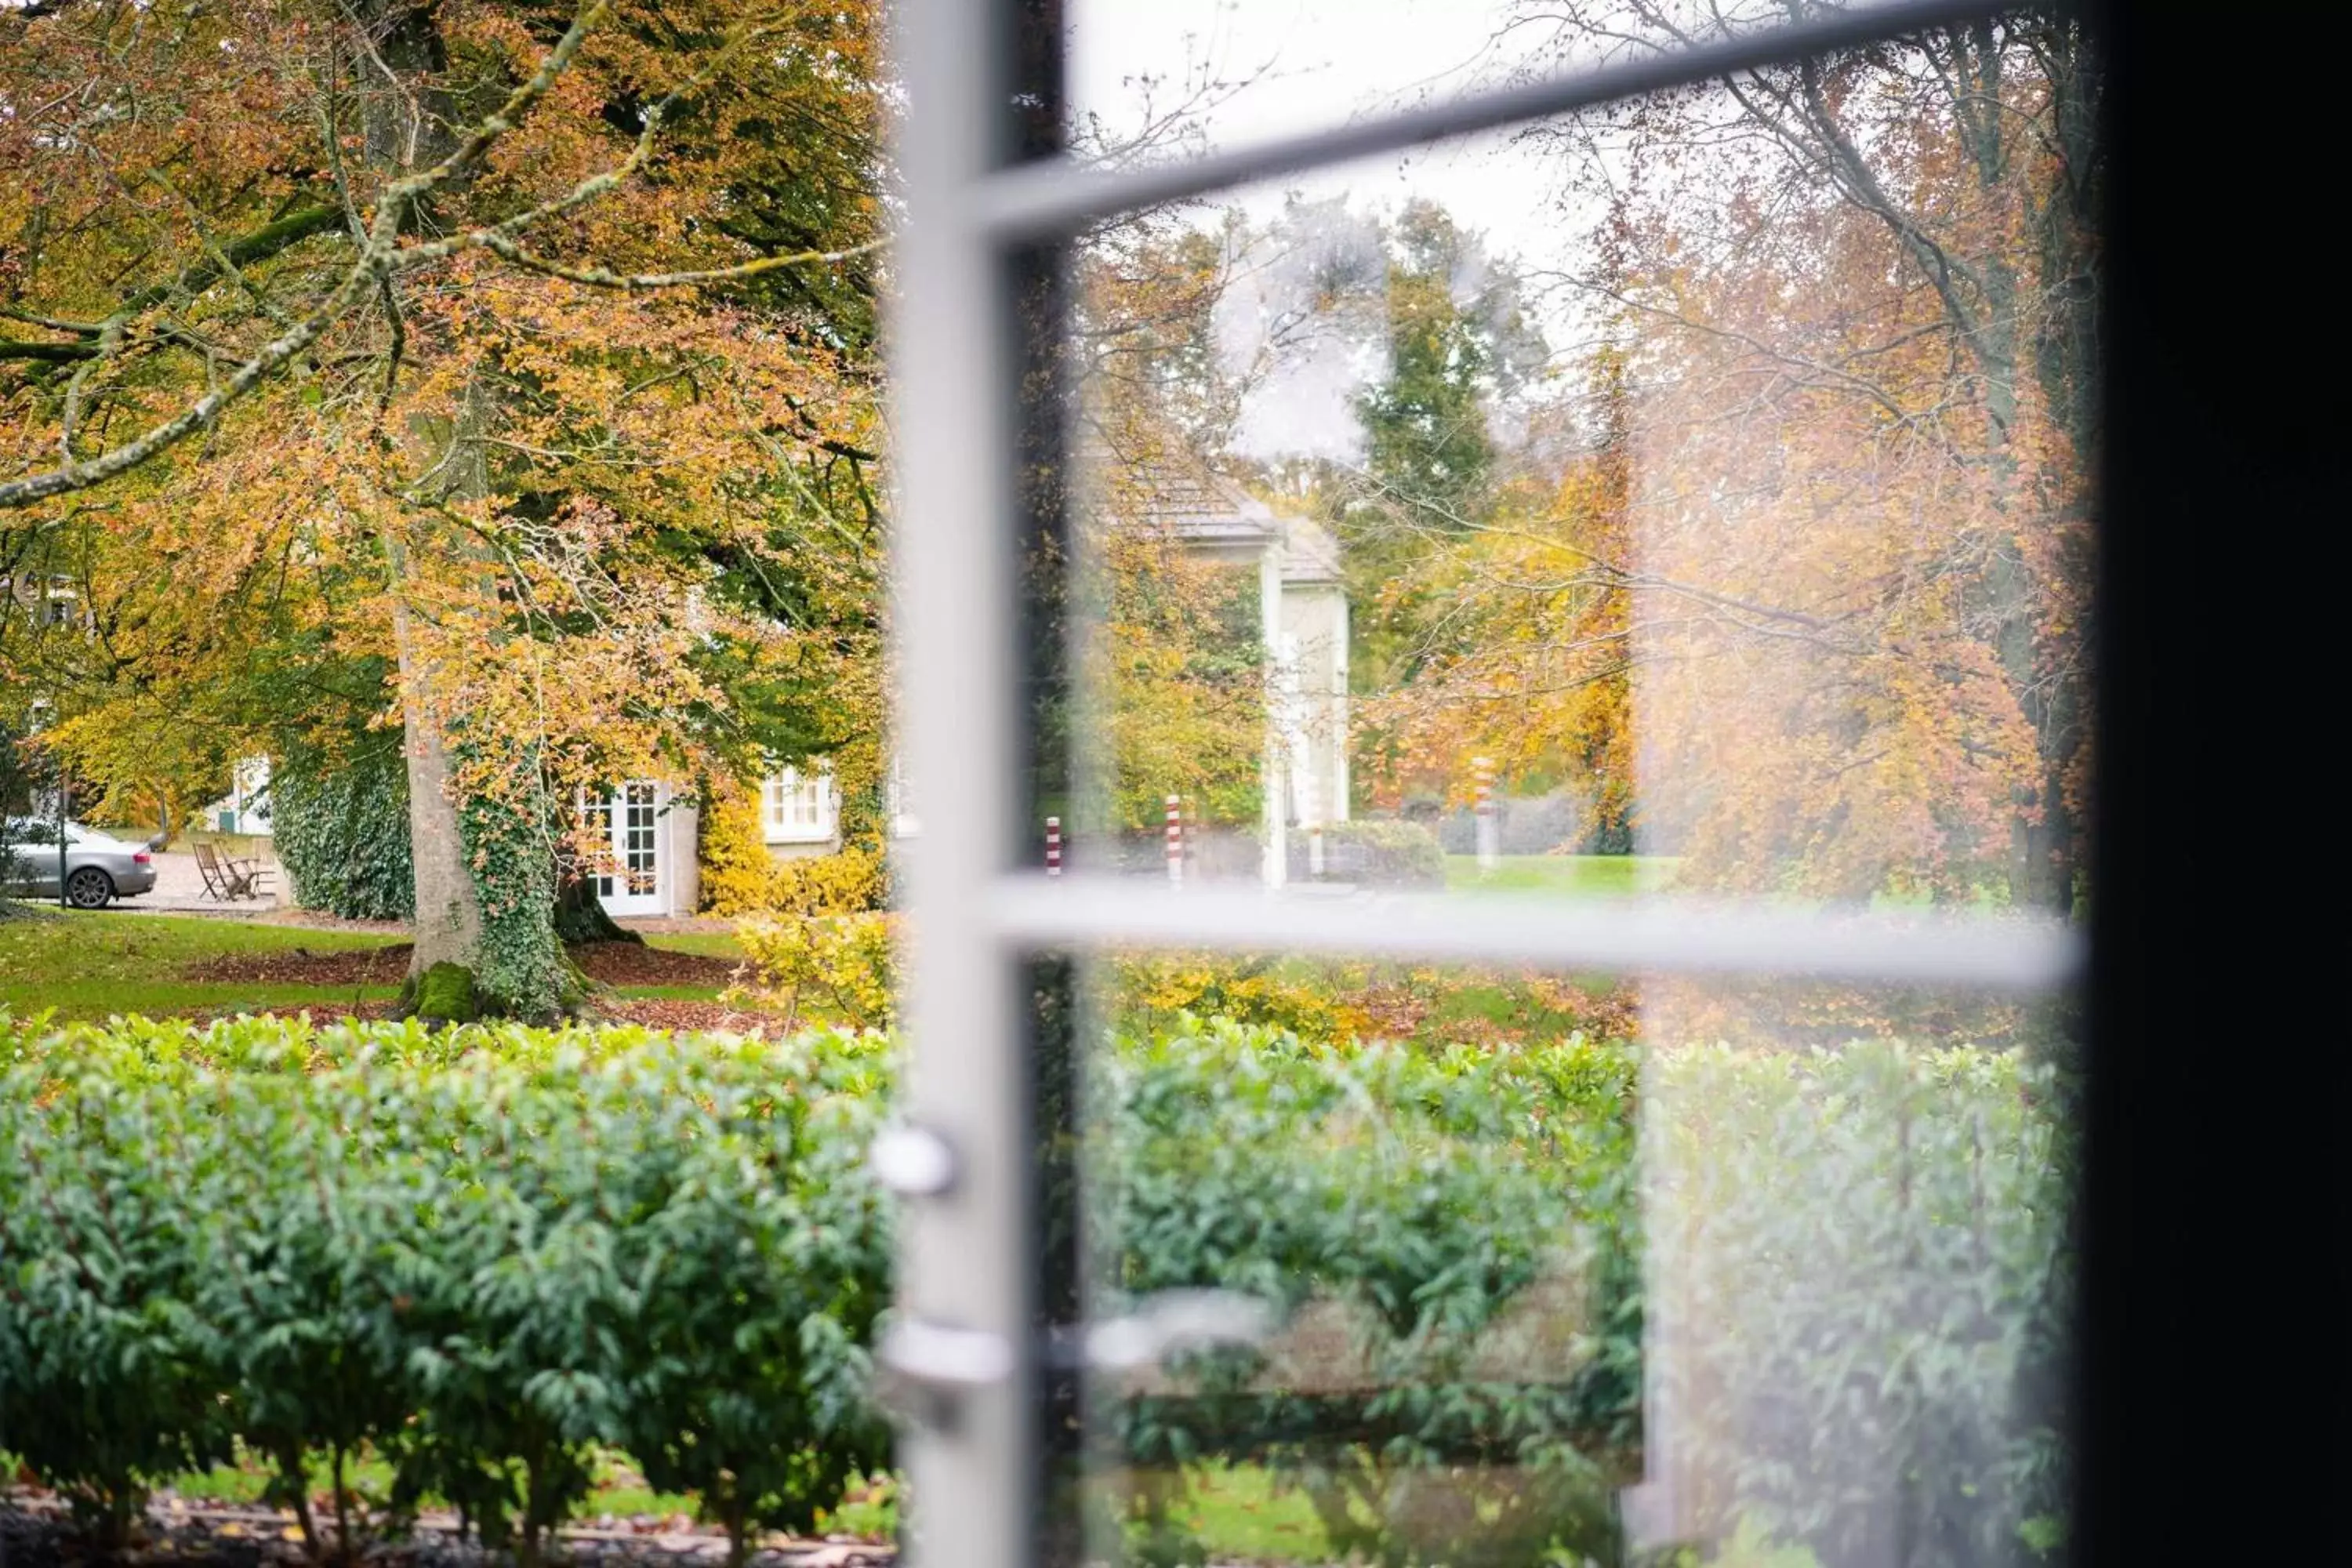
[[797, 807], [1147, 80], [1690, 496], [1687, 497], [1151, 79], [1557, 1269]]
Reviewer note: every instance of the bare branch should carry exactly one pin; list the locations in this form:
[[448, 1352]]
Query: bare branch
[[604, 277]]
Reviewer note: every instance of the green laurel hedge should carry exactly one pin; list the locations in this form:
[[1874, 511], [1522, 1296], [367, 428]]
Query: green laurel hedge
[[482, 1253], [478, 1257]]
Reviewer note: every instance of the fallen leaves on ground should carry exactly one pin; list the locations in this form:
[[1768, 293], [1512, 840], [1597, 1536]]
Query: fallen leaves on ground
[[624, 964]]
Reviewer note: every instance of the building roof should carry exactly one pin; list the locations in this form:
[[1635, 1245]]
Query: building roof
[[1309, 554], [1206, 508], [1211, 512]]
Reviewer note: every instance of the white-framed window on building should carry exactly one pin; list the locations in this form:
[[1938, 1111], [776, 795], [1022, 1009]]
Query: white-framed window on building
[[797, 806], [899, 802]]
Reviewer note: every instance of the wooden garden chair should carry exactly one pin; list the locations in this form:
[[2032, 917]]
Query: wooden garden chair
[[228, 878], [219, 884]]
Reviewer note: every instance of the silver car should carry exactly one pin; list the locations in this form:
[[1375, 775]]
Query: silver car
[[98, 869]]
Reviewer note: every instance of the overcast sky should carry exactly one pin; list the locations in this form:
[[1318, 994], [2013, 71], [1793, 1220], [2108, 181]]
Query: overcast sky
[[1323, 60]]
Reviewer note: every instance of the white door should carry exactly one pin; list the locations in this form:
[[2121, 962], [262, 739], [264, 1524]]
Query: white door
[[624, 832]]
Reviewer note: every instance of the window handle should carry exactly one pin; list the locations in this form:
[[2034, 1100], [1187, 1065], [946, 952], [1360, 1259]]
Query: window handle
[[1165, 1323], [924, 1371]]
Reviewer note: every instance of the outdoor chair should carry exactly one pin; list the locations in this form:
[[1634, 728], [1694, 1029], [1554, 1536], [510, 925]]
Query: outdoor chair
[[218, 883], [227, 877]]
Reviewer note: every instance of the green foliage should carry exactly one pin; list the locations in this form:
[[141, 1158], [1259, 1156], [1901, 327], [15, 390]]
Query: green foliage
[[489, 1254], [1868, 1246], [845, 966], [445, 995], [1384, 851], [511, 853], [1468, 1214], [102, 1383], [482, 1253], [1426, 423], [341, 832]]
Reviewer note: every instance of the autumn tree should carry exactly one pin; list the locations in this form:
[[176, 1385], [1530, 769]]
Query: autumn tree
[[1815, 520], [504, 372], [1858, 295], [1518, 641], [1174, 651]]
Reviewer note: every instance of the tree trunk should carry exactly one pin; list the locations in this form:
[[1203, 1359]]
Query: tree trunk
[[449, 922], [580, 917]]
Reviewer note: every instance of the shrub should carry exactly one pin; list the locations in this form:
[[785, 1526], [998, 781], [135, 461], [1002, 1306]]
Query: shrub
[[1385, 853], [737, 870], [1159, 988], [485, 1252], [1859, 1260], [1336, 1001], [480, 1258], [846, 964], [103, 1384], [1524, 825], [851, 881], [740, 878]]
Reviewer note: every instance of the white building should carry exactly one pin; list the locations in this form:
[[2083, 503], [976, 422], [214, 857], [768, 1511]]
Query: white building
[[246, 809], [1302, 609], [653, 834]]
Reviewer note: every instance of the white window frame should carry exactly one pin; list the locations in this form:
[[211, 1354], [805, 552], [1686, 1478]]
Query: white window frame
[[799, 809], [978, 906]]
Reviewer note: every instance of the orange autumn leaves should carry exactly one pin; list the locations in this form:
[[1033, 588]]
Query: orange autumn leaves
[[554, 483], [1813, 592]]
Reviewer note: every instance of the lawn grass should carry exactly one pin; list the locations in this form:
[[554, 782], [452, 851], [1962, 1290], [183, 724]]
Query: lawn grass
[[618, 1491], [1241, 1516], [1564, 876], [1236, 1512], [707, 944], [1229, 1513], [86, 967]]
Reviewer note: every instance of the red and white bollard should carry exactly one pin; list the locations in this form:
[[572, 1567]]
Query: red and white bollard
[[1053, 846], [1310, 797], [1490, 849], [1175, 841]]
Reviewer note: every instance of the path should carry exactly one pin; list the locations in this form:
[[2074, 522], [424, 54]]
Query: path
[[180, 890]]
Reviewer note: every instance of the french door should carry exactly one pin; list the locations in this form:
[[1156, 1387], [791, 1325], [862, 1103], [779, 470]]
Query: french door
[[623, 831]]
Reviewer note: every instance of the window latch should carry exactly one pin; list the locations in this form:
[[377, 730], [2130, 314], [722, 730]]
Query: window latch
[[925, 1371], [1165, 1323]]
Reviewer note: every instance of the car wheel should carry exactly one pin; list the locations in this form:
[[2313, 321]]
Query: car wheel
[[89, 889]]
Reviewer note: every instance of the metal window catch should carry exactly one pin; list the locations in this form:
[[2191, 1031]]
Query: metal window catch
[[924, 1371], [1164, 1324]]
